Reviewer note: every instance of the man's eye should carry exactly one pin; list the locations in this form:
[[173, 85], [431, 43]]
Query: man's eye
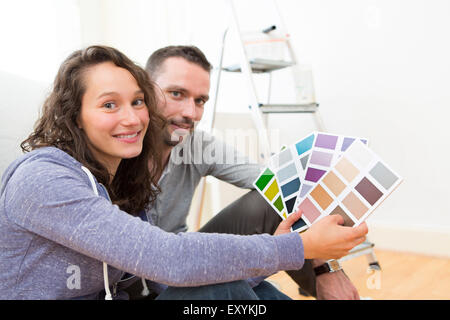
[[200, 102], [175, 94], [109, 105]]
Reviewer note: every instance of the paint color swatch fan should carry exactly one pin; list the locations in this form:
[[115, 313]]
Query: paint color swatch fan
[[296, 168], [353, 188], [334, 174], [323, 152]]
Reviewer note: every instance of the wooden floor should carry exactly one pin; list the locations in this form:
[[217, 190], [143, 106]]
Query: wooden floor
[[403, 276]]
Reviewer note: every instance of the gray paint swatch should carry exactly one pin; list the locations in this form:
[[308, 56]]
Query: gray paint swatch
[[304, 161], [287, 172], [282, 158], [383, 175]]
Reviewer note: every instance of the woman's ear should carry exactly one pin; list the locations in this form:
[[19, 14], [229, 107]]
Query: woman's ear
[[78, 119]]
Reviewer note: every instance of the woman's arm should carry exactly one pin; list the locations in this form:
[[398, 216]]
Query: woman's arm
[[58, 203]]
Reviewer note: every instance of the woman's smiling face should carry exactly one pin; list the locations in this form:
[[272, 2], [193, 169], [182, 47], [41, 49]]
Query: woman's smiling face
[[113, 114]]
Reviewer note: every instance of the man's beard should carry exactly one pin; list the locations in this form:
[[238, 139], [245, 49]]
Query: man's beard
[[172, 139]]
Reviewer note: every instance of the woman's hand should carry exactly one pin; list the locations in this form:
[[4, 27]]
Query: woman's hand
[[327, 238]]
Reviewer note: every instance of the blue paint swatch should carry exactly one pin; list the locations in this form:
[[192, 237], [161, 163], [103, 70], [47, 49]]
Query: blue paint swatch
[[305, 144], [290, 205], [300, 223], [290, 187]]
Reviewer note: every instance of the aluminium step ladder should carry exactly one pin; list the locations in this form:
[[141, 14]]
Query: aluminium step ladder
[[274, 35], [303, 104]]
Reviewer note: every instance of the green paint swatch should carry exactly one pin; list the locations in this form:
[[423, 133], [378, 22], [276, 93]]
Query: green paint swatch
[[279, 204], [264, 179]]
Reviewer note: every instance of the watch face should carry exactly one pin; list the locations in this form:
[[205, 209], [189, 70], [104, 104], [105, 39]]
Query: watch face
[[334, 265]]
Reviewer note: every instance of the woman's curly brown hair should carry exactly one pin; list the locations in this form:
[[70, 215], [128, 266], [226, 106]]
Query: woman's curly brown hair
[[134, 186]]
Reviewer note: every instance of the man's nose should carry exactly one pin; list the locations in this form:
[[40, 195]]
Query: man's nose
[[189, 109]]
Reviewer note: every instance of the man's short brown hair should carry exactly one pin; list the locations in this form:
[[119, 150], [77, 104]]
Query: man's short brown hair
[[189, 53]]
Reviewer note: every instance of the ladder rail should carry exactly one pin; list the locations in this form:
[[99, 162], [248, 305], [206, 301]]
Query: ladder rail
[[263, 138]]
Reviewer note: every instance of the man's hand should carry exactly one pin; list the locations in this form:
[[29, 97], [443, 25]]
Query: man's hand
[[285, 225]]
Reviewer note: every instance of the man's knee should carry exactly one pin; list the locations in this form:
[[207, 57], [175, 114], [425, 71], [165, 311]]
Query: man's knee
[[250, 214], [256, 205]]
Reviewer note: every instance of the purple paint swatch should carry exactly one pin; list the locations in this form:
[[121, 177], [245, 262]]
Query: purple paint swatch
[[305, 189], [326, 141], [368, 191], [346, 143], [321, 158], [314, 174]]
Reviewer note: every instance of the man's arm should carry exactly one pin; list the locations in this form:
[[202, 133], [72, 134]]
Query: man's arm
[[334, 285], [224, 162]]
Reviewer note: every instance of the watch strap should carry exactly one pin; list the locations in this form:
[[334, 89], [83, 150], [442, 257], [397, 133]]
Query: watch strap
[[328, 266], [323, 268]]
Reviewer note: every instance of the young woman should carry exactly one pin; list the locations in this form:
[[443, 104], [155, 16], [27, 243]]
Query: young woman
[[69, 225]]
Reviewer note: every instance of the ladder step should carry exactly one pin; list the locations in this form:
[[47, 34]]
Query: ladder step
[[289, 108], [362, 249], [261, 65], [363, 246]]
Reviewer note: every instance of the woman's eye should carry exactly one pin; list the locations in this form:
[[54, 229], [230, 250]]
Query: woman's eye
[[138, 102], [175, 94], [109, 105]]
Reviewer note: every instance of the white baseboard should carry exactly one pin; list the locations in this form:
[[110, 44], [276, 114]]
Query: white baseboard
[[429, 240]]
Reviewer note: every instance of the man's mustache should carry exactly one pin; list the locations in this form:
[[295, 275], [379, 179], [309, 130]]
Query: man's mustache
[[184, 123]]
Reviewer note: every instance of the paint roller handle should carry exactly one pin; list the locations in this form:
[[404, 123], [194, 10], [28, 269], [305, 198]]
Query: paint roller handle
[[269, 29]]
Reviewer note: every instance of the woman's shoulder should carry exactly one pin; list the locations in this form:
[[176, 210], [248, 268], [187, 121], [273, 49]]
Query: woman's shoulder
[[41, 161], [47, 155]]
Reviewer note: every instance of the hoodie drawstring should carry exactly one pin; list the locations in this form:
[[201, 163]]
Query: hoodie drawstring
[[108, 295], [145, 292]]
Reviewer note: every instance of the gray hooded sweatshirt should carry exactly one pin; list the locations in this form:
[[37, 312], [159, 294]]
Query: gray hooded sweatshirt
[[56, 232]]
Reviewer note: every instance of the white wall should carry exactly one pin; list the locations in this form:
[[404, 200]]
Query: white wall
[[19, 106], [35, 37]]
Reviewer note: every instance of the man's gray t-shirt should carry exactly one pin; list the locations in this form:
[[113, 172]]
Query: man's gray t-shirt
[[199, 155]]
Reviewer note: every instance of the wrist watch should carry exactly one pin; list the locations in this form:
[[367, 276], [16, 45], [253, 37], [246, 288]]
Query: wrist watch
[[328, 266]]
